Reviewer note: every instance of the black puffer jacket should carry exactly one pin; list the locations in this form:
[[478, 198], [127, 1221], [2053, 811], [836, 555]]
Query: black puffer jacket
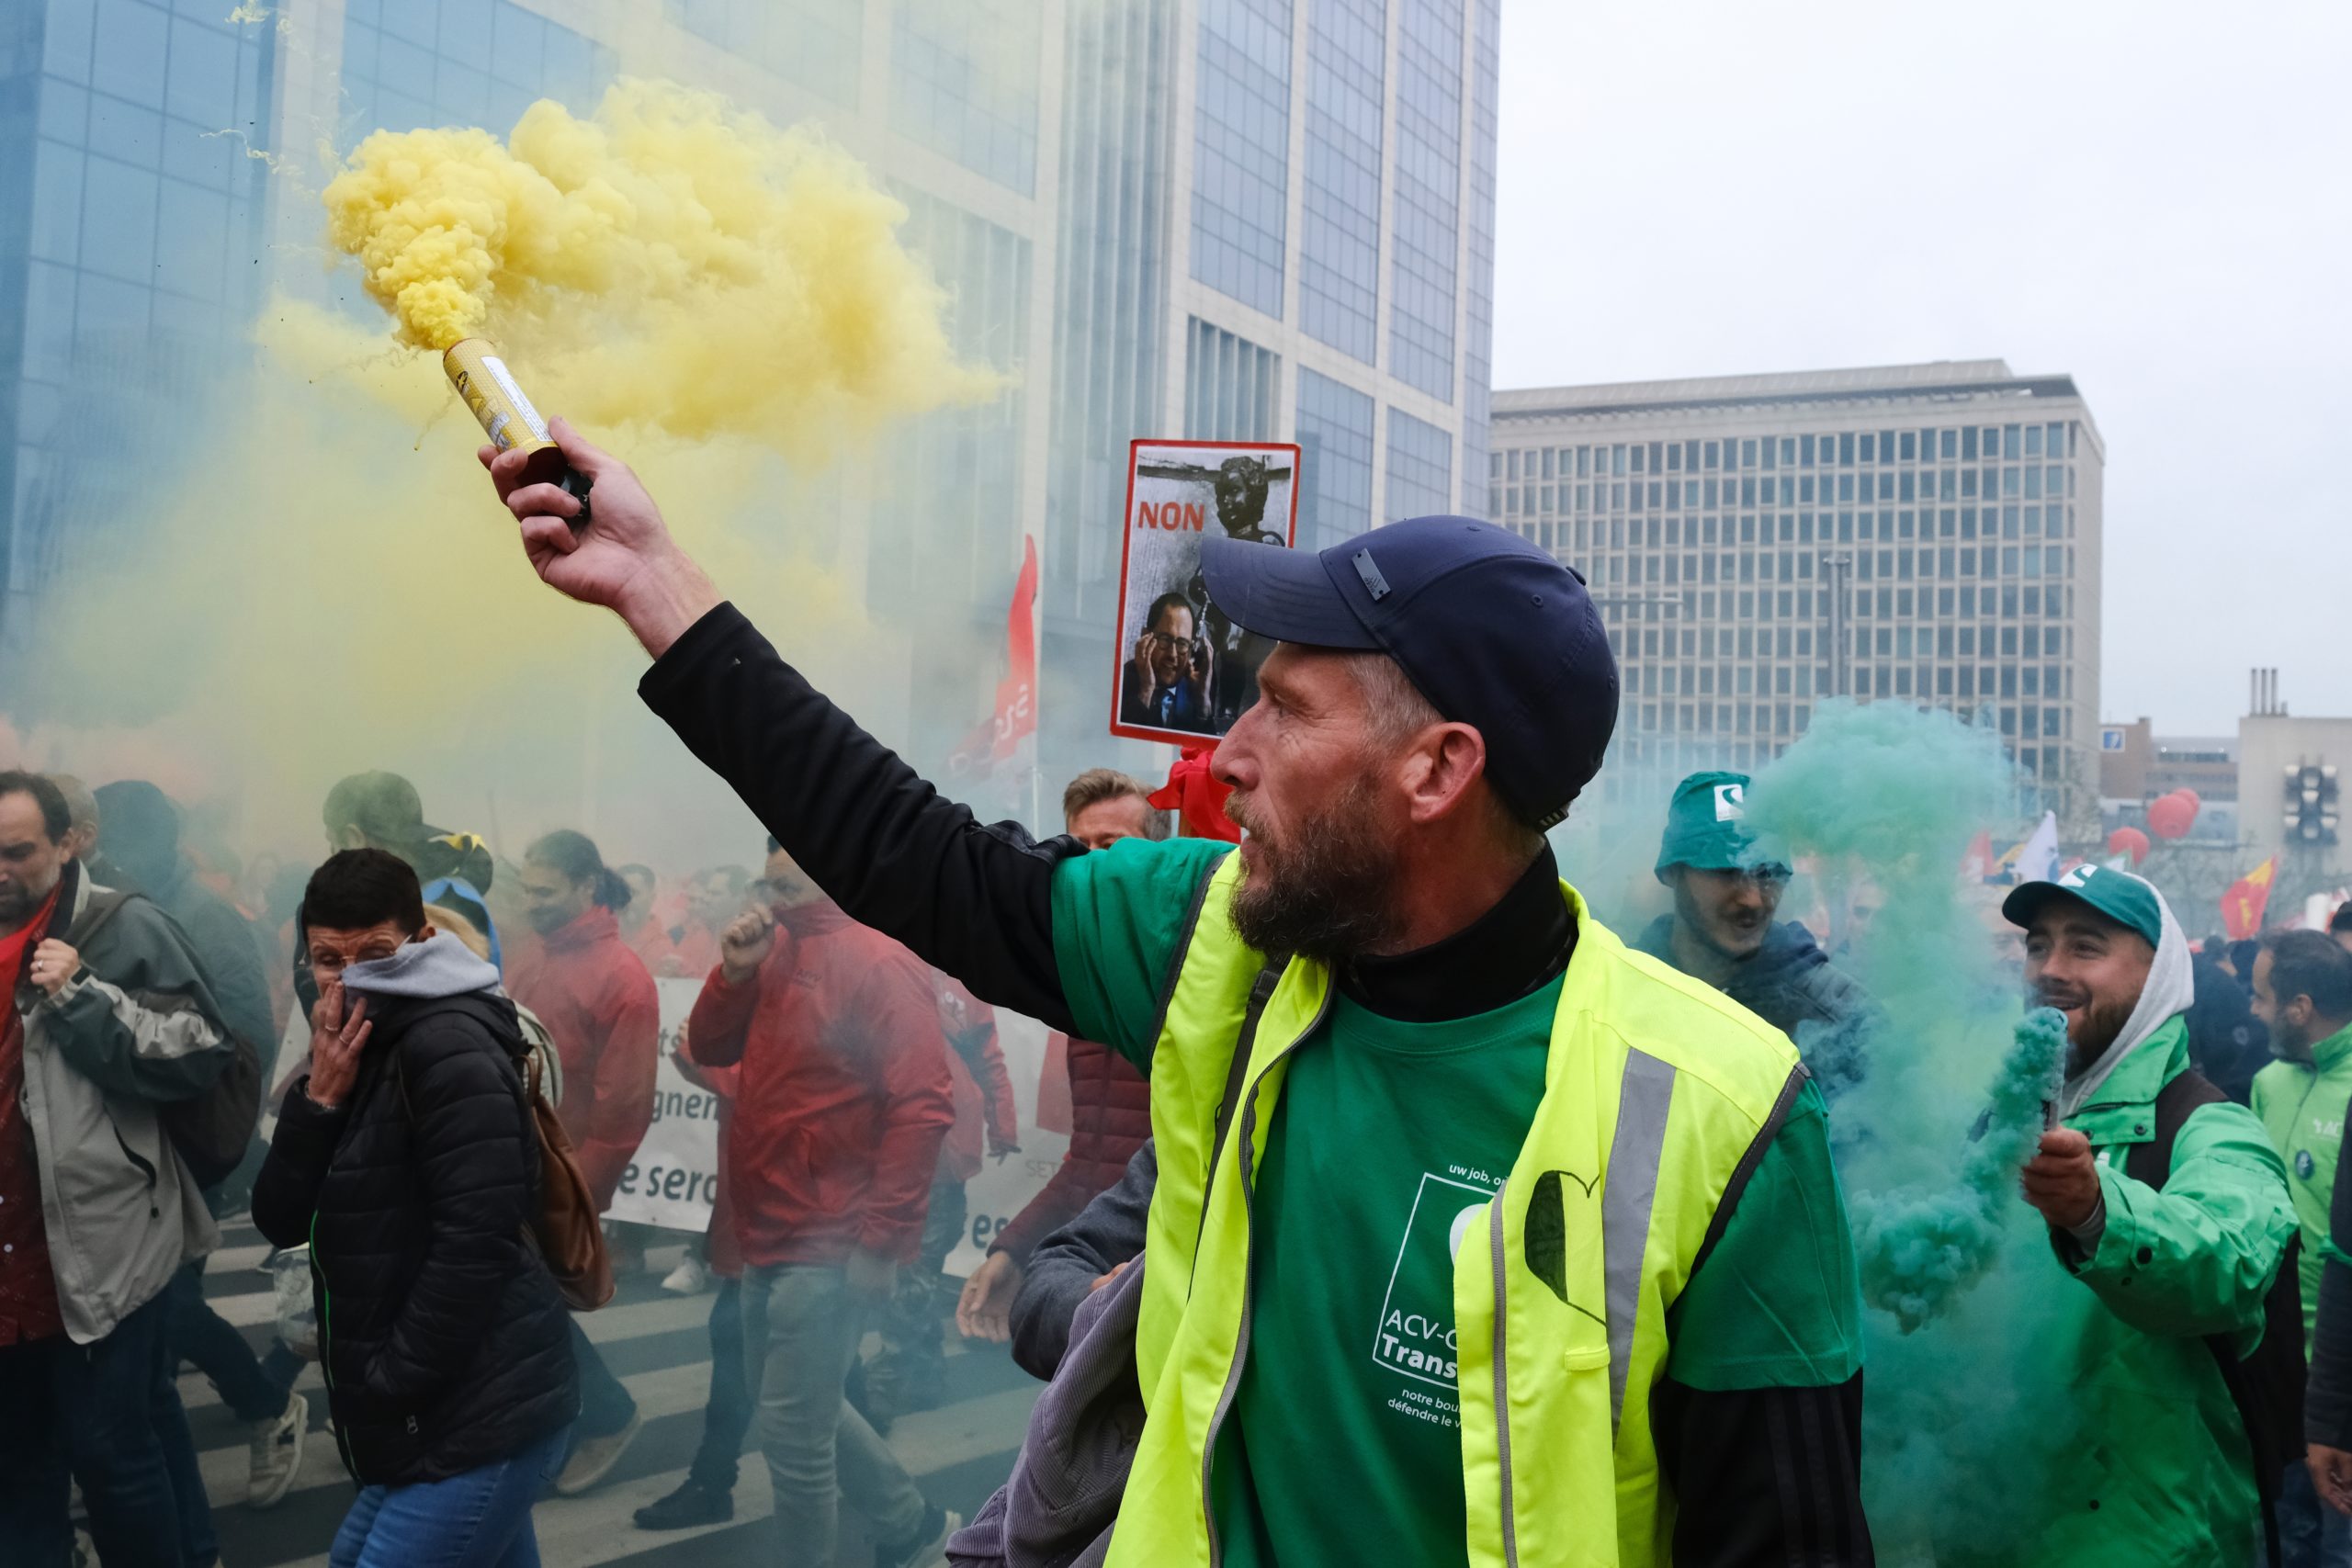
[[444, 1340]]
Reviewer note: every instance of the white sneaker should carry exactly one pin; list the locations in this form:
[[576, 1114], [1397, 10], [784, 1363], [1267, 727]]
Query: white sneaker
[[690, 1277], [276, 1453]]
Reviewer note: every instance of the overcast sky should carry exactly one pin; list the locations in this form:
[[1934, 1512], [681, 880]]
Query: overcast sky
[[2156, 197]]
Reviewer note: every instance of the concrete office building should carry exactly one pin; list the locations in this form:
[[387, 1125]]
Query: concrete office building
[[1923, 532], [1263, 220]]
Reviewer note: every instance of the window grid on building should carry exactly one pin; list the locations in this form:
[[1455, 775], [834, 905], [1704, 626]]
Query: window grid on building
[[1241, 150], [964, 81], [1335, 440], [1229, 385], [1428, 189], [1420, 468], [1956, 535], [1339, 243]]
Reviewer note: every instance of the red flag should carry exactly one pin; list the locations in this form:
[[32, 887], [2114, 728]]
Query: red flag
[[2242, 905], [1197, 797], [1015, 718]]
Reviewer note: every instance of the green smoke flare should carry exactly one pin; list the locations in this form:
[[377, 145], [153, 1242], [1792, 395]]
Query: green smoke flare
[[1918, 1249]]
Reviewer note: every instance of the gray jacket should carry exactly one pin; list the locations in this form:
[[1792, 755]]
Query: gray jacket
[[1056, 1508], [136, 1027], [1108, 1232]]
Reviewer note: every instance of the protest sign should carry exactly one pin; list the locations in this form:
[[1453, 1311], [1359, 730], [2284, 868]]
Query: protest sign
[[1182, 673]]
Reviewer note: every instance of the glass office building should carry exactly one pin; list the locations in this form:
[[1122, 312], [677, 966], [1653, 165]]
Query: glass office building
[[1252, 219], [131, 230], [1926, 534]]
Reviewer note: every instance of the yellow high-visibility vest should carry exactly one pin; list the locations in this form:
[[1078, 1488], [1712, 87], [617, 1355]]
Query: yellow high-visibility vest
[[1658, 1096]]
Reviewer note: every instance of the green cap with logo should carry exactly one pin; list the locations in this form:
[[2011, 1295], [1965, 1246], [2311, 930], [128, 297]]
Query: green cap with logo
[[1704, 824], [2122, 897]]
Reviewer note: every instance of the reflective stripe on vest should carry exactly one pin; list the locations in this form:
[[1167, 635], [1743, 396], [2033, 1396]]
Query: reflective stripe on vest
[[1657, 1091], [1643, 1092]]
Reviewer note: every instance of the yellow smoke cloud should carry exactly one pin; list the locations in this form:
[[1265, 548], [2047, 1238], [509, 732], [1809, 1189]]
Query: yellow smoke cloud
[[328, 584], [669, 262]]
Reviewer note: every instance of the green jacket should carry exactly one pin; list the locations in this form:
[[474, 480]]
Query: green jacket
[[2301, 1106], [2160, 1474]]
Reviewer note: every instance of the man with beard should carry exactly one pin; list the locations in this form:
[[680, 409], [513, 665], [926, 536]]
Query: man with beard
[[2168, 1215], [1428, 1185], [1721, 932], [2302, 993]]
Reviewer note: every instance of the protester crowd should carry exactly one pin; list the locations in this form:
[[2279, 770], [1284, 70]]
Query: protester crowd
[[1314, 1085]]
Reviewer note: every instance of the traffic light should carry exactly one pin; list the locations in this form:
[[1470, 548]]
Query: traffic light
[[2311, 805]]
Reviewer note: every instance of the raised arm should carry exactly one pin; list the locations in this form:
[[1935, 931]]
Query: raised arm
[[973, 899]]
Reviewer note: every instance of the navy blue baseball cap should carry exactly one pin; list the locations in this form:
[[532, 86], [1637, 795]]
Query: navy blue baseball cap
[[1494, 631]]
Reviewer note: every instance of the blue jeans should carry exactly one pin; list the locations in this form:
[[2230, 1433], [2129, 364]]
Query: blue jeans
[[2311, 1534], [105, 1414], [479, 1520], [801, 1329]]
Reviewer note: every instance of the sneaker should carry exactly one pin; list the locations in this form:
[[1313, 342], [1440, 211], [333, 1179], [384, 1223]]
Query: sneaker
[[691, 1278], [691, 1504], [276, 1453], [592, 1457], [929, 1549]]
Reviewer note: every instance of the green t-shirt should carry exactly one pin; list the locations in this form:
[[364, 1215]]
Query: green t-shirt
[[1387, 1136]]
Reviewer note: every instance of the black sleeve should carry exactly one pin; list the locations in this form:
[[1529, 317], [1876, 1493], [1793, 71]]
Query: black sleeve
[[1766, 1477], [2328, 1399], [1108, 1232], [285, 1189], [976, 901]]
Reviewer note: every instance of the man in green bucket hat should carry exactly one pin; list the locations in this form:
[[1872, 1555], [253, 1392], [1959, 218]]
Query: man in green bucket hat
[[1721, 932]]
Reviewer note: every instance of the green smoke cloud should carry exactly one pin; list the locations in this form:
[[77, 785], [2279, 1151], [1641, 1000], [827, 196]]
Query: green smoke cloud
[[1918, 1249]]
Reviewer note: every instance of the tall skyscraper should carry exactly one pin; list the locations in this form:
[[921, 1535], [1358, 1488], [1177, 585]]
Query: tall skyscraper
[[131, 216], [1926, 534], [1262, 220]]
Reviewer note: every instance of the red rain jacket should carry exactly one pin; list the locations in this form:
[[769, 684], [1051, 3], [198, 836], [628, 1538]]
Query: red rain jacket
[[1109, 1116], [597, 999], [844, 1095], [983, 1088]]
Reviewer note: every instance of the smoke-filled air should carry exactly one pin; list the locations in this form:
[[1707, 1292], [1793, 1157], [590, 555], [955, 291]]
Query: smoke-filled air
[[1930, 1142], [1917, 1247], [326, 583], [669, 262]]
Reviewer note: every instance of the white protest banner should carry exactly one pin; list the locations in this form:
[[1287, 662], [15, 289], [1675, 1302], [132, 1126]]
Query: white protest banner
[[674, 1179], [1002, 1190]]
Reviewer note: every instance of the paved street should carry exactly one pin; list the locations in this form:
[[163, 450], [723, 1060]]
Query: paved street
[[659, 1346]]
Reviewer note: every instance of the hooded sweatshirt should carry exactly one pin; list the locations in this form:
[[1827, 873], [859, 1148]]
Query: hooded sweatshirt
[[444, 1343], [2169, 991]]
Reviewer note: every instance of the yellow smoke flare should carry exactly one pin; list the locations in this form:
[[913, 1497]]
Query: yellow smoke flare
[[671, 262]]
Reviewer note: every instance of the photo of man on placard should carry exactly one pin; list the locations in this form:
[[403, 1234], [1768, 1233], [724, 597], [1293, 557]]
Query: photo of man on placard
[[1187, 671]]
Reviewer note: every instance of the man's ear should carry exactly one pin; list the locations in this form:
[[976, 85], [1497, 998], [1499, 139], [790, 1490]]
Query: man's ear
[[424, 932]]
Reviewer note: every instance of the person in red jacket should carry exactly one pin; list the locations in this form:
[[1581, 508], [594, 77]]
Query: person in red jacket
[[1109, 1101], [841, 1106], [910, 1371], [597, 1000]]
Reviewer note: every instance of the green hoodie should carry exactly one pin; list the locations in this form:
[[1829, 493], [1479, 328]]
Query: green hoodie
[[2301, 1106], [2163, 1477]]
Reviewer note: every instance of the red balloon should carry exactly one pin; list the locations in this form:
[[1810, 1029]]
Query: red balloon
[[2127, 841], [2190, 795], [2171, 816]]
